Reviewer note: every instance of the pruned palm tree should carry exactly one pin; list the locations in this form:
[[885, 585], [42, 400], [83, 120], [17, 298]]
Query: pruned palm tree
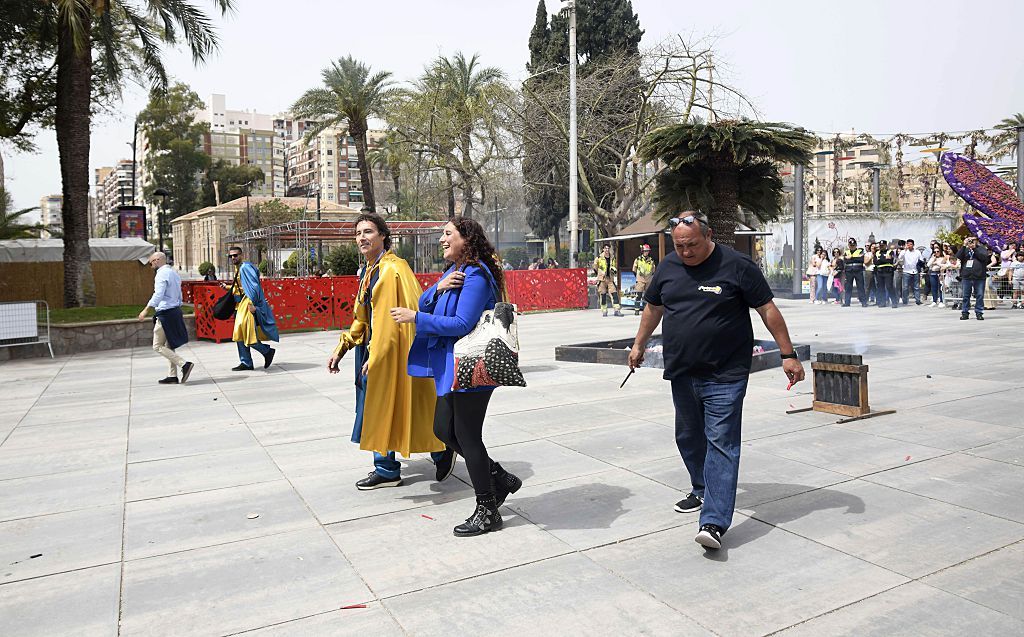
[[106, 25], [12, 226], [349, 98], [720, 166], [1004, 143], [464, 94], [390, 156]]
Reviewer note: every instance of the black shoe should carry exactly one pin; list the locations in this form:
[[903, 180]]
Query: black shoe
[[170, 380], [710, 536], [964, 317], [446, 464], [917, 303], [485, 518], [376, 481], [689, 504], [505, 483], [618, 313], [241, 368], [186, 369], [269, 358], [980, 317]]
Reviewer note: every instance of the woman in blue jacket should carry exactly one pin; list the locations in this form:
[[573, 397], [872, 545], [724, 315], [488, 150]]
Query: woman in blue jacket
[[449, 310]]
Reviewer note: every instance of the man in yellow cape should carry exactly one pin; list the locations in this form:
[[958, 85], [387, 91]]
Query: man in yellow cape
[[394, 411]]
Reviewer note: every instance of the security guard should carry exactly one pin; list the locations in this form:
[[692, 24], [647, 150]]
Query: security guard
[[853, 258], [643, 268], [607, 269], [884, 271]]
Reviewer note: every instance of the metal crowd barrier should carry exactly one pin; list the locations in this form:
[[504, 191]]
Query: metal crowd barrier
[[25, 323]]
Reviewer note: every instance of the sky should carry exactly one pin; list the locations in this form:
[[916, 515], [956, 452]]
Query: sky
[[872, 66]]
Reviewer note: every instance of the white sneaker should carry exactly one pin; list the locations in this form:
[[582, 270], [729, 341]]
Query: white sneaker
[[933, 304]]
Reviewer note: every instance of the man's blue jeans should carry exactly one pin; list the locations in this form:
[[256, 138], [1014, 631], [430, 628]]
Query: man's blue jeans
[[245, 356], [389, 467], [977, 287], [708, 422], [910, 285]]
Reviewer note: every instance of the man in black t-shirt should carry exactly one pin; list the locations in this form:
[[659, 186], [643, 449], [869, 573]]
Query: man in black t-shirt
[[704, 292], [974, 259]]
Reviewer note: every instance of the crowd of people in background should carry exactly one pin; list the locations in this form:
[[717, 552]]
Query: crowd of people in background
[[890, 274]]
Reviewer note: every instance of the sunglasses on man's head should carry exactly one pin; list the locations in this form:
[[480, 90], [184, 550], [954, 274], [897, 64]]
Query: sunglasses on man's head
[[687, 220]]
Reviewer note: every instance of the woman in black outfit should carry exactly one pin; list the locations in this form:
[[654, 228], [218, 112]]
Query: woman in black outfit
[[449, 310]]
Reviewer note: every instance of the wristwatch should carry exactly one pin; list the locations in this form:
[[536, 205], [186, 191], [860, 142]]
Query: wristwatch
[[790, 355]]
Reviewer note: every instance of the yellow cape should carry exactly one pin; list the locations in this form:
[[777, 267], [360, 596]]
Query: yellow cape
[[398, 414]]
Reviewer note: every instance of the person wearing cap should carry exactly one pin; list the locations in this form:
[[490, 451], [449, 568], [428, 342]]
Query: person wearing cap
[[607, 269], [853, 259], [704, 292], [643, 268], [974, 259], [884, 261], [169, 332]]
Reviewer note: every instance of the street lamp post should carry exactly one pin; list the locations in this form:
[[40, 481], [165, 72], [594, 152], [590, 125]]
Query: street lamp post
[[574, 211], [160, 192]]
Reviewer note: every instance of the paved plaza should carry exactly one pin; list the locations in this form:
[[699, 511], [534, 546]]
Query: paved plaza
[[227, 505]]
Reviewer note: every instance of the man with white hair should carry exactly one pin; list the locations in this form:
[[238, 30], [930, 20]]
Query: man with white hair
[[169, 331]]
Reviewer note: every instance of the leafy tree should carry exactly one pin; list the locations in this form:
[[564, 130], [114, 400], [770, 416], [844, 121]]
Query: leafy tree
[[232, 182], [206, 267], [175, 155], [718, 167], [1004, 143], [268, 213], [350, 97], [390, 157], [11, 224], [109, 26], [342, 260]]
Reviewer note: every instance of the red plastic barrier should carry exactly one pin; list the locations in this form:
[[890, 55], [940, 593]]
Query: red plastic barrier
[[327, 302]]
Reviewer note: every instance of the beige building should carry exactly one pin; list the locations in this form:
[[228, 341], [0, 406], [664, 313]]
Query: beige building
[[112, 188], [50, 214], [328, 161], [202, 235]]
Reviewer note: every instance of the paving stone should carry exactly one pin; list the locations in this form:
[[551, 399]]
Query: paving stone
[[61, 542], [202, 472], [992, 580], [906, 533], [184, 439], [372, 620], [535, 599], [911, 609], [183, 522], [277, 432], [83, 602], [325, 455], [933, 430], [1010, 451], [629, 445], [422, 551], [540, 461], [310, 406], [238, 586], [763, 579], [60, 492]]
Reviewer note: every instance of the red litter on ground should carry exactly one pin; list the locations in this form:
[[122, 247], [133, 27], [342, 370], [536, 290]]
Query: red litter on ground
[[353, 606], [907, 458], [426, 516]]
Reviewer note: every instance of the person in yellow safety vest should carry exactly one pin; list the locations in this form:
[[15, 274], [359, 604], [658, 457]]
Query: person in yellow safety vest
[[643, 268], [607, 269], [853, 258]]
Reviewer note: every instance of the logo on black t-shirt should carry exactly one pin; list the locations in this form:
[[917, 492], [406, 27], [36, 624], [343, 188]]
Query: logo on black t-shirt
[[714, 289]]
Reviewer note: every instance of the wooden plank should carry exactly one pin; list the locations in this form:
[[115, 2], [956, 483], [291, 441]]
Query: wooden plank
[[842, 410], [799, 411], [863, 397], [838, 367], [872, 414]]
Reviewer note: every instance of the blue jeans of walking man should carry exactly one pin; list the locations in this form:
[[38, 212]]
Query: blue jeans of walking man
[[708, 422], [910, 285], [245, 356], [977, 288]]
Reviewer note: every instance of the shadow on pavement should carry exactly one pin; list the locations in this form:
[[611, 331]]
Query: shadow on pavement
[[584, 506]]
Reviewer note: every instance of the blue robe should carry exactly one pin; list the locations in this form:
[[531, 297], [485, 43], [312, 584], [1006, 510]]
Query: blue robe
[[249, 277]]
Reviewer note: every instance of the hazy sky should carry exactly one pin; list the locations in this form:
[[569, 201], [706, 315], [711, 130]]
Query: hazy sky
[[909, 66]]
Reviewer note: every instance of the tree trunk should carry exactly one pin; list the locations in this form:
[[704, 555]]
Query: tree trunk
[[358, 130], [398, 194], [451, 193], [724, 189], [74, 73]]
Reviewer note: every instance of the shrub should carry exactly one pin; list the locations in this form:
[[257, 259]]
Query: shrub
[[264, 267], [515, 255], [206, 267], [342, 260]]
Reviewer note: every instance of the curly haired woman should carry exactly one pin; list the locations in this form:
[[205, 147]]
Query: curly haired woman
[[448, 311]]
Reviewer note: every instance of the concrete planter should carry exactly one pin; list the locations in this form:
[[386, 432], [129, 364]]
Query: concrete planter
[[617, 353], [75, 338]]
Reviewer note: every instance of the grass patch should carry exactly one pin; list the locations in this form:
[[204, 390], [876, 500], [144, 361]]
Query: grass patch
[[90, 314]]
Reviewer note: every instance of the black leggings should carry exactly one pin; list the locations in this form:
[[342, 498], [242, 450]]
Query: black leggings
[[459, 423]]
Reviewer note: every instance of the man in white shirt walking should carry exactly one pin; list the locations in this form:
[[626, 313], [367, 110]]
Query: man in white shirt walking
[[169, 332], [910, 258]]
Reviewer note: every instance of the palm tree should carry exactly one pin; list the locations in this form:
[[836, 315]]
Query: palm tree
[[720, 166], [389, 157], [106, 25], [349, 98], [1004, 143], [10, 225], [465, 96]]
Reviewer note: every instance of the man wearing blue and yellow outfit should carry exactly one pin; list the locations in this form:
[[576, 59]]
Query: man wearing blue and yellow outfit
[[254, 319]]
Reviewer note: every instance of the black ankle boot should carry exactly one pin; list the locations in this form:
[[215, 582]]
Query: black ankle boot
[[504, 483], [485, 518]]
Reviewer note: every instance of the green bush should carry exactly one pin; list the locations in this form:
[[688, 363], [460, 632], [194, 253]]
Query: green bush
[[343, 260], [514, 255], [206, 267], [585, 260], [264, 267]]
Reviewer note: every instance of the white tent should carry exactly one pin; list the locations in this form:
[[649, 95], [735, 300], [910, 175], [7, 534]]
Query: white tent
[[52, 250]]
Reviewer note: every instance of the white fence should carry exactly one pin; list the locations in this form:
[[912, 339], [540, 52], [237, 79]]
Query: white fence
[[25, 323]]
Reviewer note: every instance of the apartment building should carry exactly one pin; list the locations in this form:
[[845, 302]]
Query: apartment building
[[328, 162], [112, 188], [50, 214]]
